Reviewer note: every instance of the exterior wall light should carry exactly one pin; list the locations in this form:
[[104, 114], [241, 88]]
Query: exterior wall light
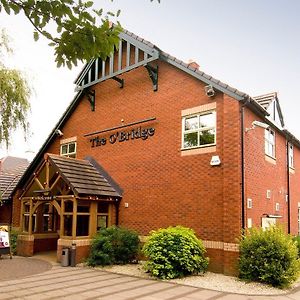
[[257, 124]]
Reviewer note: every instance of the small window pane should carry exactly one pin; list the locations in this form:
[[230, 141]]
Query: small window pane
[[190, 139], [191, 123], [208, 120], [207, 137], [64, 149], [68, 221], [68, 206], [103, 207], [82, 225], [71, 147], [102, 222]]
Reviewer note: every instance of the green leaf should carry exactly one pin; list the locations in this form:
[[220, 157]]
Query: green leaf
[[36, 35]]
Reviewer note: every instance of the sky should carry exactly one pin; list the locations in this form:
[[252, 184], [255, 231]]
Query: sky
[[253, 46]]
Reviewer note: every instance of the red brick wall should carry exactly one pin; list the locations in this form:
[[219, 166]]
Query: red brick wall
[[154, 175], [161, 187], [295, 192], [262, 174], [5, 213]]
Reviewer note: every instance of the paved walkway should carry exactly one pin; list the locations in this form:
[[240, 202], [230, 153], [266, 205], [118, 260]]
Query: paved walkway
[[84, 283]]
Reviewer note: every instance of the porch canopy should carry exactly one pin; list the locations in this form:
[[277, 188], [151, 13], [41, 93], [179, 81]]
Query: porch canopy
[[69, 198]]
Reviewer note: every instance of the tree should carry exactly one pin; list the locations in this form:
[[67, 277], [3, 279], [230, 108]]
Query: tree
[[77, 35], [14, 96]]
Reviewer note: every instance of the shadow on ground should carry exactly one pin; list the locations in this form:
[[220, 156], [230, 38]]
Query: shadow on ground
[[19, 267]]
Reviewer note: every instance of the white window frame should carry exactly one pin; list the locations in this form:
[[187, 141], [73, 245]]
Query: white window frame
[[68, 153], [249, 203], [291, 155], [267, 222], [270, 143], [199, 130]]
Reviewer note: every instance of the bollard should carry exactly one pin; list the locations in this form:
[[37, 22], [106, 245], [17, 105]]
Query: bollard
[[73, 255]]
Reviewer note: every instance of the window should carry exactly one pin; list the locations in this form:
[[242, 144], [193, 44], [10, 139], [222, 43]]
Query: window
[[267, 222], [249, 223], [249, 203], [291, 155], [199, 130], [102, 215], [270, 142], [68, 149], [277, 207]]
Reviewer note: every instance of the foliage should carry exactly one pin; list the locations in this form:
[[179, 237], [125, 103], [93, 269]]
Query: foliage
[[296, 239], [13, 241], [174, 252], [269, 256], [14, 96], [113, 245], [77, 35]]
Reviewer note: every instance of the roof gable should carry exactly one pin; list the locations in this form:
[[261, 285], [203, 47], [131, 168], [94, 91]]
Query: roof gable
[[61, 176], [131, 53], [271, 104]]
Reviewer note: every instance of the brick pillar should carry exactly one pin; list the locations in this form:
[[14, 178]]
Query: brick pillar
[[25, 245]]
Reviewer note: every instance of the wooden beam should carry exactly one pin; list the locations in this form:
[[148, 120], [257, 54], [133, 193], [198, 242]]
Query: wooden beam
[[74, 222], [30, 217], [39, 183], [55, 182], [47, 174]]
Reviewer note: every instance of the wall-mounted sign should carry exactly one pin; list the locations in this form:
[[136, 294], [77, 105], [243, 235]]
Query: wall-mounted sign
[[122, 136], [215, 160]]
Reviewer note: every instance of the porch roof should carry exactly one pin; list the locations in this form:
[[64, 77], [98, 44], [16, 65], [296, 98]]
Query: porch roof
[[83, 177]]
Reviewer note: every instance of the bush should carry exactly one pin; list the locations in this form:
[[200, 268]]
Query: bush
[[296, 239], [13, 235], [174, 252], [113, 245], [269, 256]]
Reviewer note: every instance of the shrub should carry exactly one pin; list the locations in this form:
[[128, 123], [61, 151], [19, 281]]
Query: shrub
[[174, 252], [13, 235], [296, 239], [269, 256], [113, 245]]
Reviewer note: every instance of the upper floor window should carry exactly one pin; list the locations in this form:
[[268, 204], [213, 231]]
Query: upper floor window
[[291, 155], [68, 149], [270, 142], [199, 130]]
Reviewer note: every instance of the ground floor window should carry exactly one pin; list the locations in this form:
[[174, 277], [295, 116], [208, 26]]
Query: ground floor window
[[267, 222], [102, 215]]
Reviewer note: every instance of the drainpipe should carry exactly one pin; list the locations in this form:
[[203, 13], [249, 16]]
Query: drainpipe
[[288, 186], [117, 212], [243, 165]]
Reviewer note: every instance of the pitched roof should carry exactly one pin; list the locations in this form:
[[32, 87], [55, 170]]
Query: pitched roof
[[11, 164], [266, 100], [87, 77], [12, 168], [83, 177]]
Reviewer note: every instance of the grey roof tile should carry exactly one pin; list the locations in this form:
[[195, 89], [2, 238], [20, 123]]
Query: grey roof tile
[[83, 178]]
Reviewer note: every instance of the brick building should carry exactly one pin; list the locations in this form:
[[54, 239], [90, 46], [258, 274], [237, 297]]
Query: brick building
[[150, 141]]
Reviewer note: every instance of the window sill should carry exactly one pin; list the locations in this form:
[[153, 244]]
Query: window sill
[[292, 170], [200, 150], [270, 159]]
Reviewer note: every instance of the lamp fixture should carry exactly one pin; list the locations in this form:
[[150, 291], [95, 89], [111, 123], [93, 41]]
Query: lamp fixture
[[257, 124]]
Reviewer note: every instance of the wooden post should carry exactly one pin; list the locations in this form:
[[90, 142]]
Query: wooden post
[[74, 221]]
